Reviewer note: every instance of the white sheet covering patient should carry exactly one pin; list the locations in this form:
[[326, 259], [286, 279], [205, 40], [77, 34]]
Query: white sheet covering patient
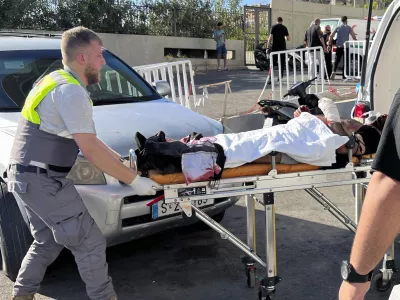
[[305, 139]]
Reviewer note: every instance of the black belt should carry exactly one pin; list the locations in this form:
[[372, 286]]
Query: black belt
[[34, 169]]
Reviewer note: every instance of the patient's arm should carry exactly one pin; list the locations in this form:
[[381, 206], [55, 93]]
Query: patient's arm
[[305, 108], [339, 128]]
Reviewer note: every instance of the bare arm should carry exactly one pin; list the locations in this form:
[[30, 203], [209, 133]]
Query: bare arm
[[269, 41], [353, 35], [323, 43], [101, 156], [380, 214], [288, 38], [331, 37]]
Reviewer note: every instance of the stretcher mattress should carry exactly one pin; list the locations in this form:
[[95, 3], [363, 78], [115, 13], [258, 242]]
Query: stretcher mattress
[[246, 170]]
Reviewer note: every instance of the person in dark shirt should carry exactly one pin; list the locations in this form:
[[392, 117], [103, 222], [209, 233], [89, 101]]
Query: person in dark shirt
[[328, 53], [315, 38], [343, 31], [279, 34], [379, 222]]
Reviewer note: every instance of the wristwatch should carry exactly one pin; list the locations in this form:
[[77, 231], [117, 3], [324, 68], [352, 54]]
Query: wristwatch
[[350, 275], [121, 159]]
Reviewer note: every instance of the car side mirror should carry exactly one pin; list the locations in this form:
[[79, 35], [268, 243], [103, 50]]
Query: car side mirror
[[163, 87]]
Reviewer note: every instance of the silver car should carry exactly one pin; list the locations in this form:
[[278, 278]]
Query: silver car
[[124, 103]]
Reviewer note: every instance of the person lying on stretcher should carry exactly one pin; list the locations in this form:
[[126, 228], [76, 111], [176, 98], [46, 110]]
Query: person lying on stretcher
[[366, 137], [306, 139]]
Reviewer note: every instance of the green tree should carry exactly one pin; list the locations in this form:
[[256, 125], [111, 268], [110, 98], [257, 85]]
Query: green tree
[[379, 4]]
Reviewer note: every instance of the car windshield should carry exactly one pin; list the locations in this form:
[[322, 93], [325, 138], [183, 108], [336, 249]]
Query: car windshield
[[20, 69], [333, 23]]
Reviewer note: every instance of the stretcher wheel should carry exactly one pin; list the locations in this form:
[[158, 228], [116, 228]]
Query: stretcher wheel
[[263, 296], [377, 283], [251, 278]]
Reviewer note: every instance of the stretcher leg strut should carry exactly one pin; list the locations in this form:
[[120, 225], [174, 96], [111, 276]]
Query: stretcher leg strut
[[225, 234], [267, 284], [248, 262], [332, 208], [267, 186]]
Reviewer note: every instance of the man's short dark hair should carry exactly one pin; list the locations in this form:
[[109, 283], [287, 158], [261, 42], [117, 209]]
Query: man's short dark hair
[[76, 38], [280, 20], [219, 24], [344, 19]]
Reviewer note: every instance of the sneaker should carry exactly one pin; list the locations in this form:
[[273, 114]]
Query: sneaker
[[226, 69], [29, 297], [219, 69]]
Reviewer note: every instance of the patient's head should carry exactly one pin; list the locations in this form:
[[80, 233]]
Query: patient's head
[[350, 125], [368, 137]]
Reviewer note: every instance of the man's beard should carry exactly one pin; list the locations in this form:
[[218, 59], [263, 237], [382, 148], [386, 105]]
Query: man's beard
[[91, 75]]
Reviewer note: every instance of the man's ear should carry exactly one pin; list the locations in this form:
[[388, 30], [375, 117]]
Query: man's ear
[[80, 57]]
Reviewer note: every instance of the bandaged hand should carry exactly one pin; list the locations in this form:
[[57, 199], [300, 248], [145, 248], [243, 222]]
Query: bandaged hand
[[144, 186], [329, 109], [302, 108]]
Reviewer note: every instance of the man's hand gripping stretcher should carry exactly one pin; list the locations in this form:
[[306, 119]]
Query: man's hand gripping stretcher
[[318, 140]]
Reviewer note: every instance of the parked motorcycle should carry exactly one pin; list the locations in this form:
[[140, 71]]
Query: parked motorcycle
[[282, 111], [261, 57]]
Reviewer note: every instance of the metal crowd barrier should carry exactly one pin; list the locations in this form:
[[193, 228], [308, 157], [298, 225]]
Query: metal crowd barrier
[[178, 74], [353, 57], [299, 65]]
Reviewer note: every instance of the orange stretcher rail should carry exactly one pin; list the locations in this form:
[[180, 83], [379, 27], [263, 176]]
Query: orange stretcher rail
[[246, 170]]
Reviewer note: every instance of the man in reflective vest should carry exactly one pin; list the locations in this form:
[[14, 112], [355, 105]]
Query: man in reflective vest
[[56, 122]]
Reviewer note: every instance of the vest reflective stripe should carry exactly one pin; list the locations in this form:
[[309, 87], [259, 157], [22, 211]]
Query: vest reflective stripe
[[33, 144], [41, 89]]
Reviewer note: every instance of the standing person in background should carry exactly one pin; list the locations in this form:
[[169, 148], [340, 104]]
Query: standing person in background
[[278, 36], [315, 38], [343, 32], [219, 37], [328, 53]]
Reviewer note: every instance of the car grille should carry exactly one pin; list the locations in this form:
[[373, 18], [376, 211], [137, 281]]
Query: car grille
[[136, 198]]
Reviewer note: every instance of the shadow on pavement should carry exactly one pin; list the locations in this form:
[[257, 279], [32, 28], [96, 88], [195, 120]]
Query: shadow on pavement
[[249, 79], [180, 264]]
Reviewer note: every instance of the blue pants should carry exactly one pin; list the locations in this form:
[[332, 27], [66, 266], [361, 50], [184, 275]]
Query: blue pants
[[221, 50]]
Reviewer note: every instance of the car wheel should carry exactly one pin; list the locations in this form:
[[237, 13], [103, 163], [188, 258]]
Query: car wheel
[[15, 237]]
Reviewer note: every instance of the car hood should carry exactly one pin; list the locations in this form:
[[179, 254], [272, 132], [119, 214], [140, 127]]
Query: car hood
[[116, 125]]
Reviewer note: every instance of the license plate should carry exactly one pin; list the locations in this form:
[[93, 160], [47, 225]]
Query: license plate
[[162, 209]]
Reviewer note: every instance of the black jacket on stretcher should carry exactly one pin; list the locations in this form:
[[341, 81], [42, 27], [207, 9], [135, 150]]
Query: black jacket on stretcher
[[157, 153]]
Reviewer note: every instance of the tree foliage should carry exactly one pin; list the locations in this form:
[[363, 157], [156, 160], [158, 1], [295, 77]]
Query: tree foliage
[[191, 18]]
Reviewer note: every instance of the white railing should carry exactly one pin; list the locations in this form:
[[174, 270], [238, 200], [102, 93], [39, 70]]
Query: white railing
[[176, 74], [354, 52], [308, 60]]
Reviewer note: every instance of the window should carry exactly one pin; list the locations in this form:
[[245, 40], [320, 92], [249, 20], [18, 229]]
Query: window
[[19, 70], [332, 23]]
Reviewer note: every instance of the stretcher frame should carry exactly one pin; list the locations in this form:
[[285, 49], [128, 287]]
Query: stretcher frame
[[267, 185]]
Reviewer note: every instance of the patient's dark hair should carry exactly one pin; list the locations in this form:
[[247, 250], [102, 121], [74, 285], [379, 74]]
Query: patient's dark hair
[[371, 137]]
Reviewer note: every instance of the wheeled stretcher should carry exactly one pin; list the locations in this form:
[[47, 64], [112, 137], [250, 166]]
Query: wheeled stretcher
[[267, 179]]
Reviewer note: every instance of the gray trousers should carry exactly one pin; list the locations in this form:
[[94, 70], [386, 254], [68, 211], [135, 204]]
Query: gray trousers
[[58, 218]]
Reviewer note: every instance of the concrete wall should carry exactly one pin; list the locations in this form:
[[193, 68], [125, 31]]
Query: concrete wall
[[139, 50], [143, 50], [297, 16]]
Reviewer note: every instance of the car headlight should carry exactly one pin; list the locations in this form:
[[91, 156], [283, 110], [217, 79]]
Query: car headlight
[[83, 172]]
